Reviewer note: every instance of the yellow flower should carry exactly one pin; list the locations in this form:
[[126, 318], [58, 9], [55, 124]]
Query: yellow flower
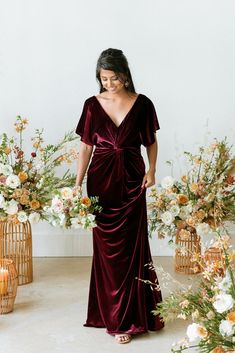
[[23, 176], [36, 144], [231, 317], [182, 199], [7, 150], [86, 201], [34, 204], [193, 187], [202, 332]]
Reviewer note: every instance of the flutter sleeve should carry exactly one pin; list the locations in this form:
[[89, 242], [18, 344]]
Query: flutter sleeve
[[149, 124], [84, 127]]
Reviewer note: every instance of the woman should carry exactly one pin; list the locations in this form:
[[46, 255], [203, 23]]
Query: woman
[[117, 122]]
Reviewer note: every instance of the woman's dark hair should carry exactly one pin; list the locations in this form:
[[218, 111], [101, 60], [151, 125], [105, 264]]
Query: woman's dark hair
[[114, 60]]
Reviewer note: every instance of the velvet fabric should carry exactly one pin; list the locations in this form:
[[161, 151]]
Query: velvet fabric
[[118, 300]]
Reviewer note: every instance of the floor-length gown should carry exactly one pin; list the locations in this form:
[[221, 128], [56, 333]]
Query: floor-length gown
[[118, 300]]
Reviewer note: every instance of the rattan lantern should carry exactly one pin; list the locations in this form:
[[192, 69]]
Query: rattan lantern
[[187, 249], [8, 285], [212, 254], [16, 244]]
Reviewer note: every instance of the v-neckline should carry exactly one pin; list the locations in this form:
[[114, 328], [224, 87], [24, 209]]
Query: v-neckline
[[107, 115]]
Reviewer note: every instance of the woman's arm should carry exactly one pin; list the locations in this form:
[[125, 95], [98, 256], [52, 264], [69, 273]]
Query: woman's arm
[[149, 178], [84, 157]]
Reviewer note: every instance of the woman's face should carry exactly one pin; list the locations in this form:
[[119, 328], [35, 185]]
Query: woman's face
[[110, 81]]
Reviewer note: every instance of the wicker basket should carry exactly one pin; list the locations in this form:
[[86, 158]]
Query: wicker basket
[[185, 250], [16, 244], [8, 285]]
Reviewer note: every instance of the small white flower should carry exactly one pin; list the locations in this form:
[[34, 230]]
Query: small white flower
[[34, 217], [203, 229], [167, 182], [5, 169], [56, 205], [13, 181], [226, 328], [167, 218], [66, 193], [223, 302], [22, 216], [76, 222], [192, 332], [11, 207], [225, 284], [175, 210], [2, 201]]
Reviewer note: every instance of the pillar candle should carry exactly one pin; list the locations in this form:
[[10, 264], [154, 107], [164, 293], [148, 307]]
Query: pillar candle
[[3, 281]]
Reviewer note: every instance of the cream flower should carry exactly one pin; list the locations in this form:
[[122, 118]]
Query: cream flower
[[195, 331], [34, 217], [167, 182], [56, 205], [22, 216], [66, 193], [2, 201], [12, 207], [223, 302], [167, 218], [5, 169], [175, 210], [13, 181]]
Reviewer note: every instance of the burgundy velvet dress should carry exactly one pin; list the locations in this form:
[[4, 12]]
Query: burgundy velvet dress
[[117, 299]]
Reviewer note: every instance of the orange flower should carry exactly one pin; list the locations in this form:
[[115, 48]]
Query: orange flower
[[218, 350], [184, 178], [23, 176], [24, 200], [193, 187], [7, 150], [86, 201], [34, 204], [182, 199], [231, 317], [36, 144]]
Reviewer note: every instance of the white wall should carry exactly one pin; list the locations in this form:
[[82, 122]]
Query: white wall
[[181, 55]]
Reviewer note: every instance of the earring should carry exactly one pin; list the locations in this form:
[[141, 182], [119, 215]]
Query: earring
[[126, 83]]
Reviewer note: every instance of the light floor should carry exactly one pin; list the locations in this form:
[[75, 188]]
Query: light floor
[[49, 313]]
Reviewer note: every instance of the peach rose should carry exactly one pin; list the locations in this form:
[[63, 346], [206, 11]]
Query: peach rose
[[184, 234], [191, 221], [17, 193], [23, 176], [24, 200], [231, 317], [182, 199], [181, 224], [218, 350], [34, 204], [86, 201]]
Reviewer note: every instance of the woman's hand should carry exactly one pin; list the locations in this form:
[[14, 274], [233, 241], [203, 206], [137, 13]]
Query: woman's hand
[[148, 179]]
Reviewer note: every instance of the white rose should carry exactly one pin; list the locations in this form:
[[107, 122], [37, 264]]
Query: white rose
[[184, 213], [167, 182], [12, 207], [34, 217], [66, 193], [76, 223], [203, 229], [6, 169], [225, 284], [175, 210], [192, 332], [13, 181], [56, 205], [22, 216], [226, 328], [167, 218], [223, 302], [2, 201]]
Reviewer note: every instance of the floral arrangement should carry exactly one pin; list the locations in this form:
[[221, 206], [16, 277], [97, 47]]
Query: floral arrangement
[[69, 209], [202, 200], [211, 305], [27, 184]]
